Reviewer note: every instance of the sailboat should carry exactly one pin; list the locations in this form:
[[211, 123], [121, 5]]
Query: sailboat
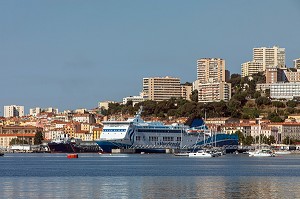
[[261, 152]]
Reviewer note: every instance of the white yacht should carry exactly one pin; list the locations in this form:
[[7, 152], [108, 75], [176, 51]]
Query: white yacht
[[261, 153], [200, 154]]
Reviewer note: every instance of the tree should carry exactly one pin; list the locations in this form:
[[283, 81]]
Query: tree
[[38, 138], [248, 140], [241, 137], [291, 103], [194, 96], [17, 141]]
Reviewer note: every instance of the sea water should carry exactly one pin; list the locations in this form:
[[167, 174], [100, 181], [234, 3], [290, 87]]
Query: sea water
[[148, 176]]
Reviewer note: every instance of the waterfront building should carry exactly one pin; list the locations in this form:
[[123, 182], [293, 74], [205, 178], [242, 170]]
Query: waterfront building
[[13, 111], [53, 133], [133, 99], [26, 133], [287, 90], [97, 133], [161, 88], [211, 70], [214, 92]]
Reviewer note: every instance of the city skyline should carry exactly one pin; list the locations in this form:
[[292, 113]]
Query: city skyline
[[72, 55]]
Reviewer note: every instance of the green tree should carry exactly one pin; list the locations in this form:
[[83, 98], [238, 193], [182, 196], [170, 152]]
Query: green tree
[[291, 103], [248, 140], [241, 137], [194, 96], [17, 141], [38, 138]]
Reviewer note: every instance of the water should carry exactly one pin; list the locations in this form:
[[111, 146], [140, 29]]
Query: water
[[148, 176]]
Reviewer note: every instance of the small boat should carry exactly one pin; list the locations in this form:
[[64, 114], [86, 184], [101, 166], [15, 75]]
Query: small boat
[[200, 154], [261, 153], [282, 152], [182, 154]]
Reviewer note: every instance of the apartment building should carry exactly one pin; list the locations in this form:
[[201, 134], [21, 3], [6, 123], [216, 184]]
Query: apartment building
[[287, 90], [13, 111], [264, 58], [161, 88], [270, 57], [211, 70], [26, 133], [251, 67], [297, 63], [133, 99], [214, 92]]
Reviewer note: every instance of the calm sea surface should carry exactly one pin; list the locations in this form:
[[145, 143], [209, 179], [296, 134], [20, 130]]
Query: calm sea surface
[[148, 176]]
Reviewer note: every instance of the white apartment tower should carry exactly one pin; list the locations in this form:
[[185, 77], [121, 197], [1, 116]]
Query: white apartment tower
[[211, 70], [161, 88], [13, 111], [270, 57]]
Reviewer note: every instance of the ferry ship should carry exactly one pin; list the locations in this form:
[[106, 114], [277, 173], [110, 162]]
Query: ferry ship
[[155, 137]]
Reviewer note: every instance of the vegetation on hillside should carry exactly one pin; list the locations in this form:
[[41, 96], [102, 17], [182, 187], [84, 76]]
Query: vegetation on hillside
[[245, 103]]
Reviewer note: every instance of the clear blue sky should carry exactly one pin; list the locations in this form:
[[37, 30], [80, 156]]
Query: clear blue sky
[[71, 54]]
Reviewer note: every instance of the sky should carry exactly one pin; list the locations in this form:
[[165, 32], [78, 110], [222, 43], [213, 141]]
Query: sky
[[71, 54]]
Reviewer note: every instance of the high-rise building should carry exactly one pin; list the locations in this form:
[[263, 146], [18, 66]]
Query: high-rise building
[[214, 92], [251, 67], [211, 70], [161, 88], [270, 57], [297, 63], [13, 111]]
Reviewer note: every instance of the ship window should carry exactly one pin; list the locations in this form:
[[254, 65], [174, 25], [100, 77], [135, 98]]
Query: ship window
[[168, 139], [138, 138]]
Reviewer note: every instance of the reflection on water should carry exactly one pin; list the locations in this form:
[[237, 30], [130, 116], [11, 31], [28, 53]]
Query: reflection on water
[[149, 187]]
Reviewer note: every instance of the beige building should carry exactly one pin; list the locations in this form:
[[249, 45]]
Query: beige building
[[26, 133], [186, 92], [251, 67], [13, 111], [274, 56], [161, 88], [214, 92], [211, 70], [291, 76], [297, 63]]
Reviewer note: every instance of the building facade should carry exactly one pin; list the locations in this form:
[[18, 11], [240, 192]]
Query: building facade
[[211, 70], [297, 63], [214, 92], [13, 111], [133, 99], [161, 88], [287, 90], [251, 67], [270, 57]]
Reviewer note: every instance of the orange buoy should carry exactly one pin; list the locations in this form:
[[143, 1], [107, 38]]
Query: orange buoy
[[74, 155]]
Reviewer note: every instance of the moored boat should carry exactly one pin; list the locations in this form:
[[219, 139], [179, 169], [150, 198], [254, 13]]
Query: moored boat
[[65, 144], [200, 154], [156, 137]]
